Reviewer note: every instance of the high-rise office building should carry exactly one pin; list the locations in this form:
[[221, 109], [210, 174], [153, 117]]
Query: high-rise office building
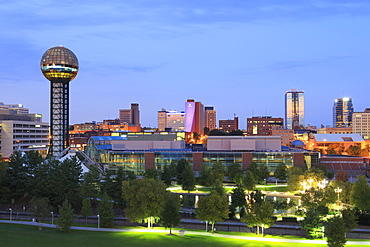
[[210, 117], [60, 66], [263, 126], [20, 130], [294, 109], [229, 124], [130, 116], [361, 123], [171, 120], [194, 117], [135, 113], [162, 120], [342, 113]]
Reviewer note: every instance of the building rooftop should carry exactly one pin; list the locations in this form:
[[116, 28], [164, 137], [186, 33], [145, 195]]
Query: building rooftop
[[108, 138], [338, 138]]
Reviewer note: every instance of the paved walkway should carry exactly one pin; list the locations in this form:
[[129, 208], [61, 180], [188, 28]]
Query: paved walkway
[[360, 243]]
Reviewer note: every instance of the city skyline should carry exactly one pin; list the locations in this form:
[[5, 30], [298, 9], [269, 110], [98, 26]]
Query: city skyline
[[236, 56]]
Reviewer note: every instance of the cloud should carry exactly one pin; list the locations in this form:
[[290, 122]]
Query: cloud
[[305, 63], [292, 64]]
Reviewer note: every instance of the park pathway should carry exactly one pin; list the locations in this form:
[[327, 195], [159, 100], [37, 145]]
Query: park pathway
[[302, 241]]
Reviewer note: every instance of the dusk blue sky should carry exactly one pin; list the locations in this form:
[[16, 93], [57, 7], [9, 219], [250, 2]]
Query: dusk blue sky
[[238, 56]]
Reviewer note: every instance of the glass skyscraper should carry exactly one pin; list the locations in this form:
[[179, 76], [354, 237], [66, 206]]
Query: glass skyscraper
[[342, 113], [294, 109]]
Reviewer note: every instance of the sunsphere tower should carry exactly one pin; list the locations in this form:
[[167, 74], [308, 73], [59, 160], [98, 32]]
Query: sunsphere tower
[[60, 66]]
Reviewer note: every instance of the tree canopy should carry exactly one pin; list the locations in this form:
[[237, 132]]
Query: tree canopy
[[213, 208], [170, 215], [360, 194], [145, 199]]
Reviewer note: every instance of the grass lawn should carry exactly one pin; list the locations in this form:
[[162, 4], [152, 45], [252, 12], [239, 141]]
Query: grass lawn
[[21, 235]]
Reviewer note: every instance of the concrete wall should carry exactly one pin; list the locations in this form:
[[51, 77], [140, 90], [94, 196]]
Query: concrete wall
[[247, 143]]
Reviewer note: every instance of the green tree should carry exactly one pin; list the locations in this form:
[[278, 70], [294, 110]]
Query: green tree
[[236, 133], [170, 215], [145, 199], [66, 218], [41, 208], [205, 175], [281, 172], [295, 177], [5, 190], [253, 167], [213, 208], [181, 165], [129, 175], [282, 203], [264, 173], [346, 190], [360, 194], [17, 178], [316, 198], [188, 178], [249, 182], [235, 173], [151, 173], [238, 197], [335, 232], [116, 193], [312, 224], [3, 167], [91, 185], [313, 176], [105, 210], [107, 184], [216, 132], [349, 218], [218, 174], [59, 180], [259, 214], [264, 215], [86, 210], [166, 175]]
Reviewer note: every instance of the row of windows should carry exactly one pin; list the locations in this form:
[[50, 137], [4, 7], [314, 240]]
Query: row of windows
[[31, 141], [30, 136], [30, 131], [29, 126]]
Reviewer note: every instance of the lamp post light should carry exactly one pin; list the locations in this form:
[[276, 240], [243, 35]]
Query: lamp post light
[[10, 214], [322, 184], [52, 218], [338, 191], [98, 221]]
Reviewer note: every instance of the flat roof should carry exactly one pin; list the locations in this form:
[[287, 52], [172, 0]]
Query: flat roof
[[338, 138]]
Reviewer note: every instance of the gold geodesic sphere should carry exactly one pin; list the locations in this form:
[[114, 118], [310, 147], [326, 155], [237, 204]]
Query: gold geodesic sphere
[[59, 63]]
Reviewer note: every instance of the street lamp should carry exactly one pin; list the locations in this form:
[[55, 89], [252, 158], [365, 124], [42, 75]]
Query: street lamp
[[10, 214], [52, 218], [322, 184], [338, 190], [98, 221]]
